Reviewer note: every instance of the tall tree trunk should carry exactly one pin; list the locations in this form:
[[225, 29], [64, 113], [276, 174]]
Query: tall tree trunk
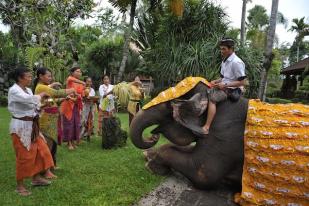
[[127, 38], [268, 55], [243, 22]]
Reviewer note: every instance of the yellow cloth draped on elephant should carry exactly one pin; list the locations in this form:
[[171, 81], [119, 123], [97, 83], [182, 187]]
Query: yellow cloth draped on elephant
[[175, 92], [276, 167]]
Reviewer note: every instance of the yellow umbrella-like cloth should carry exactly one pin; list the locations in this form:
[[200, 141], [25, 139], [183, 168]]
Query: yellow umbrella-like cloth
[[175, 92]]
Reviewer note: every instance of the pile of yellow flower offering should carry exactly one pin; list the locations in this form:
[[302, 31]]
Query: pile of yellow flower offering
[[276, 166], [175, 92]]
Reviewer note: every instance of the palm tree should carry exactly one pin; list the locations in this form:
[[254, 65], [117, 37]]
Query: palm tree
[[268, 54], [302, 30], [243, 21], [300, 27], [176, 7]]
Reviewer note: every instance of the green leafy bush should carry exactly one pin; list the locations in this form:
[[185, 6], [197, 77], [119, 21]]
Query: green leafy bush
[[3, 101], [305, 87], [278, 101], [187, 46]]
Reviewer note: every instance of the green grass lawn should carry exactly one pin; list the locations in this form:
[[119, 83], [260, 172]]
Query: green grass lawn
[[87, 176]]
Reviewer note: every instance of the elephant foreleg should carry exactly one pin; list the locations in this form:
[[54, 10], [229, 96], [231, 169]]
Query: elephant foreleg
[[172, 157], [203, 174]]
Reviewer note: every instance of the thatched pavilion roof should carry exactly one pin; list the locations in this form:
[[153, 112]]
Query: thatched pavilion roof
[[296, 68]]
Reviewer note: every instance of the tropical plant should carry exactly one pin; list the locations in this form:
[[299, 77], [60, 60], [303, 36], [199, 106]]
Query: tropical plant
[[176, 8], [258, 17], [188, 45], [108, 22], [102, 57], [299, 48], [258, 24], [301, 27], [41, 23], [38, 56], [8, 52], [253, 60]]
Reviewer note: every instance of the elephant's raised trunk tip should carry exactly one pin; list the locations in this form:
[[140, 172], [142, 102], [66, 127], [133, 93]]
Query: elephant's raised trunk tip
[[141, 121], [147, 142]]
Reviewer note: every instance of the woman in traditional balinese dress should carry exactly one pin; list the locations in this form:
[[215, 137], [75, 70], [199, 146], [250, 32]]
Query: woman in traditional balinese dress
[[50, 112], [136, 95], [71, 109], [88, 110], [32, 154], [106, 107]]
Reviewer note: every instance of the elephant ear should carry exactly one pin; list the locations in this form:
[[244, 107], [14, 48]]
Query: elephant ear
[[187, 112]]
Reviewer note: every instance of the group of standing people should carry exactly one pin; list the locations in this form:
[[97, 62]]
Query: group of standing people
[[49, 113]]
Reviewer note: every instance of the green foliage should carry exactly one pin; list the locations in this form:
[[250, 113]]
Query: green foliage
[[233, 33], [252, 59], [304, 87], [36, 23], [108, 22], [7, 50], [278, 101], [180, 60], [257, 39], [258, 17], [303, 51], [276, 64], [3, 101], [81, 37], [186, 46], [37, 56], [33, 56], [104, 54], [301, 27], [258, 23]]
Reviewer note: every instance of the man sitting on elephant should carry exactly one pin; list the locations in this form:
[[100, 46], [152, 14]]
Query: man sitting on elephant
[[229, 85]]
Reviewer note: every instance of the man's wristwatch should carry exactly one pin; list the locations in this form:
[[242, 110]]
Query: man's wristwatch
[[225, 84]]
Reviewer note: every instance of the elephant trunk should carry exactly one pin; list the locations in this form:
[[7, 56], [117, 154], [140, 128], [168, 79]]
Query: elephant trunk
[[144, 119]]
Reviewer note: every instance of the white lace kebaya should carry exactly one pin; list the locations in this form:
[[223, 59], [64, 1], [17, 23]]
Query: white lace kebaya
[[22, 103]]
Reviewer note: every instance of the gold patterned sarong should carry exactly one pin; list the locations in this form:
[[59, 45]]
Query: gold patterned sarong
[[175, 92], [276, 166]]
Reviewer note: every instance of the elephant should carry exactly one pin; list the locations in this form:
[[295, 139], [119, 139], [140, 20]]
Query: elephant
[[206, 160]]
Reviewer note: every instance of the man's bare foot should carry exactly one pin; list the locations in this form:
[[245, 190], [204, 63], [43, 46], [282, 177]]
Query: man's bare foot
[[206, 129]]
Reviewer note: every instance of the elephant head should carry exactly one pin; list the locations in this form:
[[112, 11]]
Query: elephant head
[[178, 120]]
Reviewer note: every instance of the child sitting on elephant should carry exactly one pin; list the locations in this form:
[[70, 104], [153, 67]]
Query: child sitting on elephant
[[231, 81]]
